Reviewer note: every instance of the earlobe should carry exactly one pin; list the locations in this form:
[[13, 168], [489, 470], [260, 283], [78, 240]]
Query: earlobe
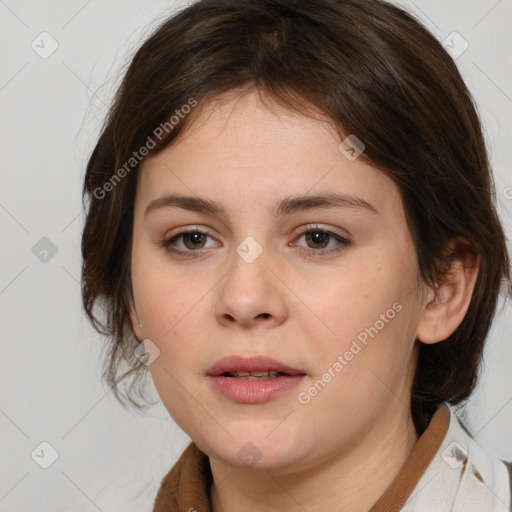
[[447, 304], [135, 322]]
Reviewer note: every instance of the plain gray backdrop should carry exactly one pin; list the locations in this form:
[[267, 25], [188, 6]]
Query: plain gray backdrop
[[60, 64]]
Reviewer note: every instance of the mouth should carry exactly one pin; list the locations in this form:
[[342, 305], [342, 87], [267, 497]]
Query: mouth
[[253, 380], [254, 375], [252, 368]]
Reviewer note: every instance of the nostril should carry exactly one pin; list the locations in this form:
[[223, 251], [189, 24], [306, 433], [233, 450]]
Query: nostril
[[264, 315]]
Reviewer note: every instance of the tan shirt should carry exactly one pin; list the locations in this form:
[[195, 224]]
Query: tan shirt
[[186, 487]]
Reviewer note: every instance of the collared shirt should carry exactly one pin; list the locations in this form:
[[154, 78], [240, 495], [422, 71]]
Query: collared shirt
[[446, 471]]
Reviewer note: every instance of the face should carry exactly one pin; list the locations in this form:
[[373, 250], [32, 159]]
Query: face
[[286, 248]]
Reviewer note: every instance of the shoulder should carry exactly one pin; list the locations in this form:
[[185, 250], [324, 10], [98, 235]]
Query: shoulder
[[187, 484], [462, 476]]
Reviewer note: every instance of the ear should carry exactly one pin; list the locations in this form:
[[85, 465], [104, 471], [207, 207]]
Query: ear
[[448, 303], [134, 318]]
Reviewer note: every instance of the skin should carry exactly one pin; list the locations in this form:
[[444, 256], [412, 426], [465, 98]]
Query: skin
[[300, 303]]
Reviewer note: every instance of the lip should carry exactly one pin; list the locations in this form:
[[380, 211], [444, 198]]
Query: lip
[[250, 364], [252, 391]]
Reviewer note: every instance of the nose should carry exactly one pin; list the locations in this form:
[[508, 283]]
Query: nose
[[251, 294]]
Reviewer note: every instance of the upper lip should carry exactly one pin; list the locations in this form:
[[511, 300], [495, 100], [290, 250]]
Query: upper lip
[[232, 364]]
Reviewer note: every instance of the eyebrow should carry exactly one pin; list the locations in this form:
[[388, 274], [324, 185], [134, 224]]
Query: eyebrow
[[281, 208]]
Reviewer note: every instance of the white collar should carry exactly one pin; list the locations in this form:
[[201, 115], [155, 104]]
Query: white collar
[[461, 478]]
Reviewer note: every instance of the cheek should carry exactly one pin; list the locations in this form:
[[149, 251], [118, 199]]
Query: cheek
[[358, 300], [370, 312], [172, 318], [173, 321], [164, 296]]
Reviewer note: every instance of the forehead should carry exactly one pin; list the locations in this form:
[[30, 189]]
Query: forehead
[[241, 146]]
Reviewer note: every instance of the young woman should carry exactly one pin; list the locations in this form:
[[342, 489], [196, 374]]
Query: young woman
[[290, 207]]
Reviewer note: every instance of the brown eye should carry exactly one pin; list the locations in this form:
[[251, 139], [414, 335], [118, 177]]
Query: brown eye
[[188, 242], [194, 240], [319, 239]]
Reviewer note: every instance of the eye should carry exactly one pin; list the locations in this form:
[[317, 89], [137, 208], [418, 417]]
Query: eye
[[321, 240], [188, 241]]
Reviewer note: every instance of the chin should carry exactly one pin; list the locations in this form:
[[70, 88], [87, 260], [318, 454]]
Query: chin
[[255, 452]]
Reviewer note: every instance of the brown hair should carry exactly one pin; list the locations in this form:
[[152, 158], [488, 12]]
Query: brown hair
[[375, 71]]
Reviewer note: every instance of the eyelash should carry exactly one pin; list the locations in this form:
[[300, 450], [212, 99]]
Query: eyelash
[[343, 242]]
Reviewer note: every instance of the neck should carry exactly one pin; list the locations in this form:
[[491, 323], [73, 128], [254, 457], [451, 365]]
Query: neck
[[350, 480]]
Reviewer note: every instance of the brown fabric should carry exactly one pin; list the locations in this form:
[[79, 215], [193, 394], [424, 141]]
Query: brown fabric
[[416, 464], [509, 467], [186, 488], [187, 485]]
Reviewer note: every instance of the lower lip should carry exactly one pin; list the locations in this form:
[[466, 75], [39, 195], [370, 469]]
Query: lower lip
[[254, 391]]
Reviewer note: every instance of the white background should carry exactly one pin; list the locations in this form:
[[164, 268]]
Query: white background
[[51, 111]]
